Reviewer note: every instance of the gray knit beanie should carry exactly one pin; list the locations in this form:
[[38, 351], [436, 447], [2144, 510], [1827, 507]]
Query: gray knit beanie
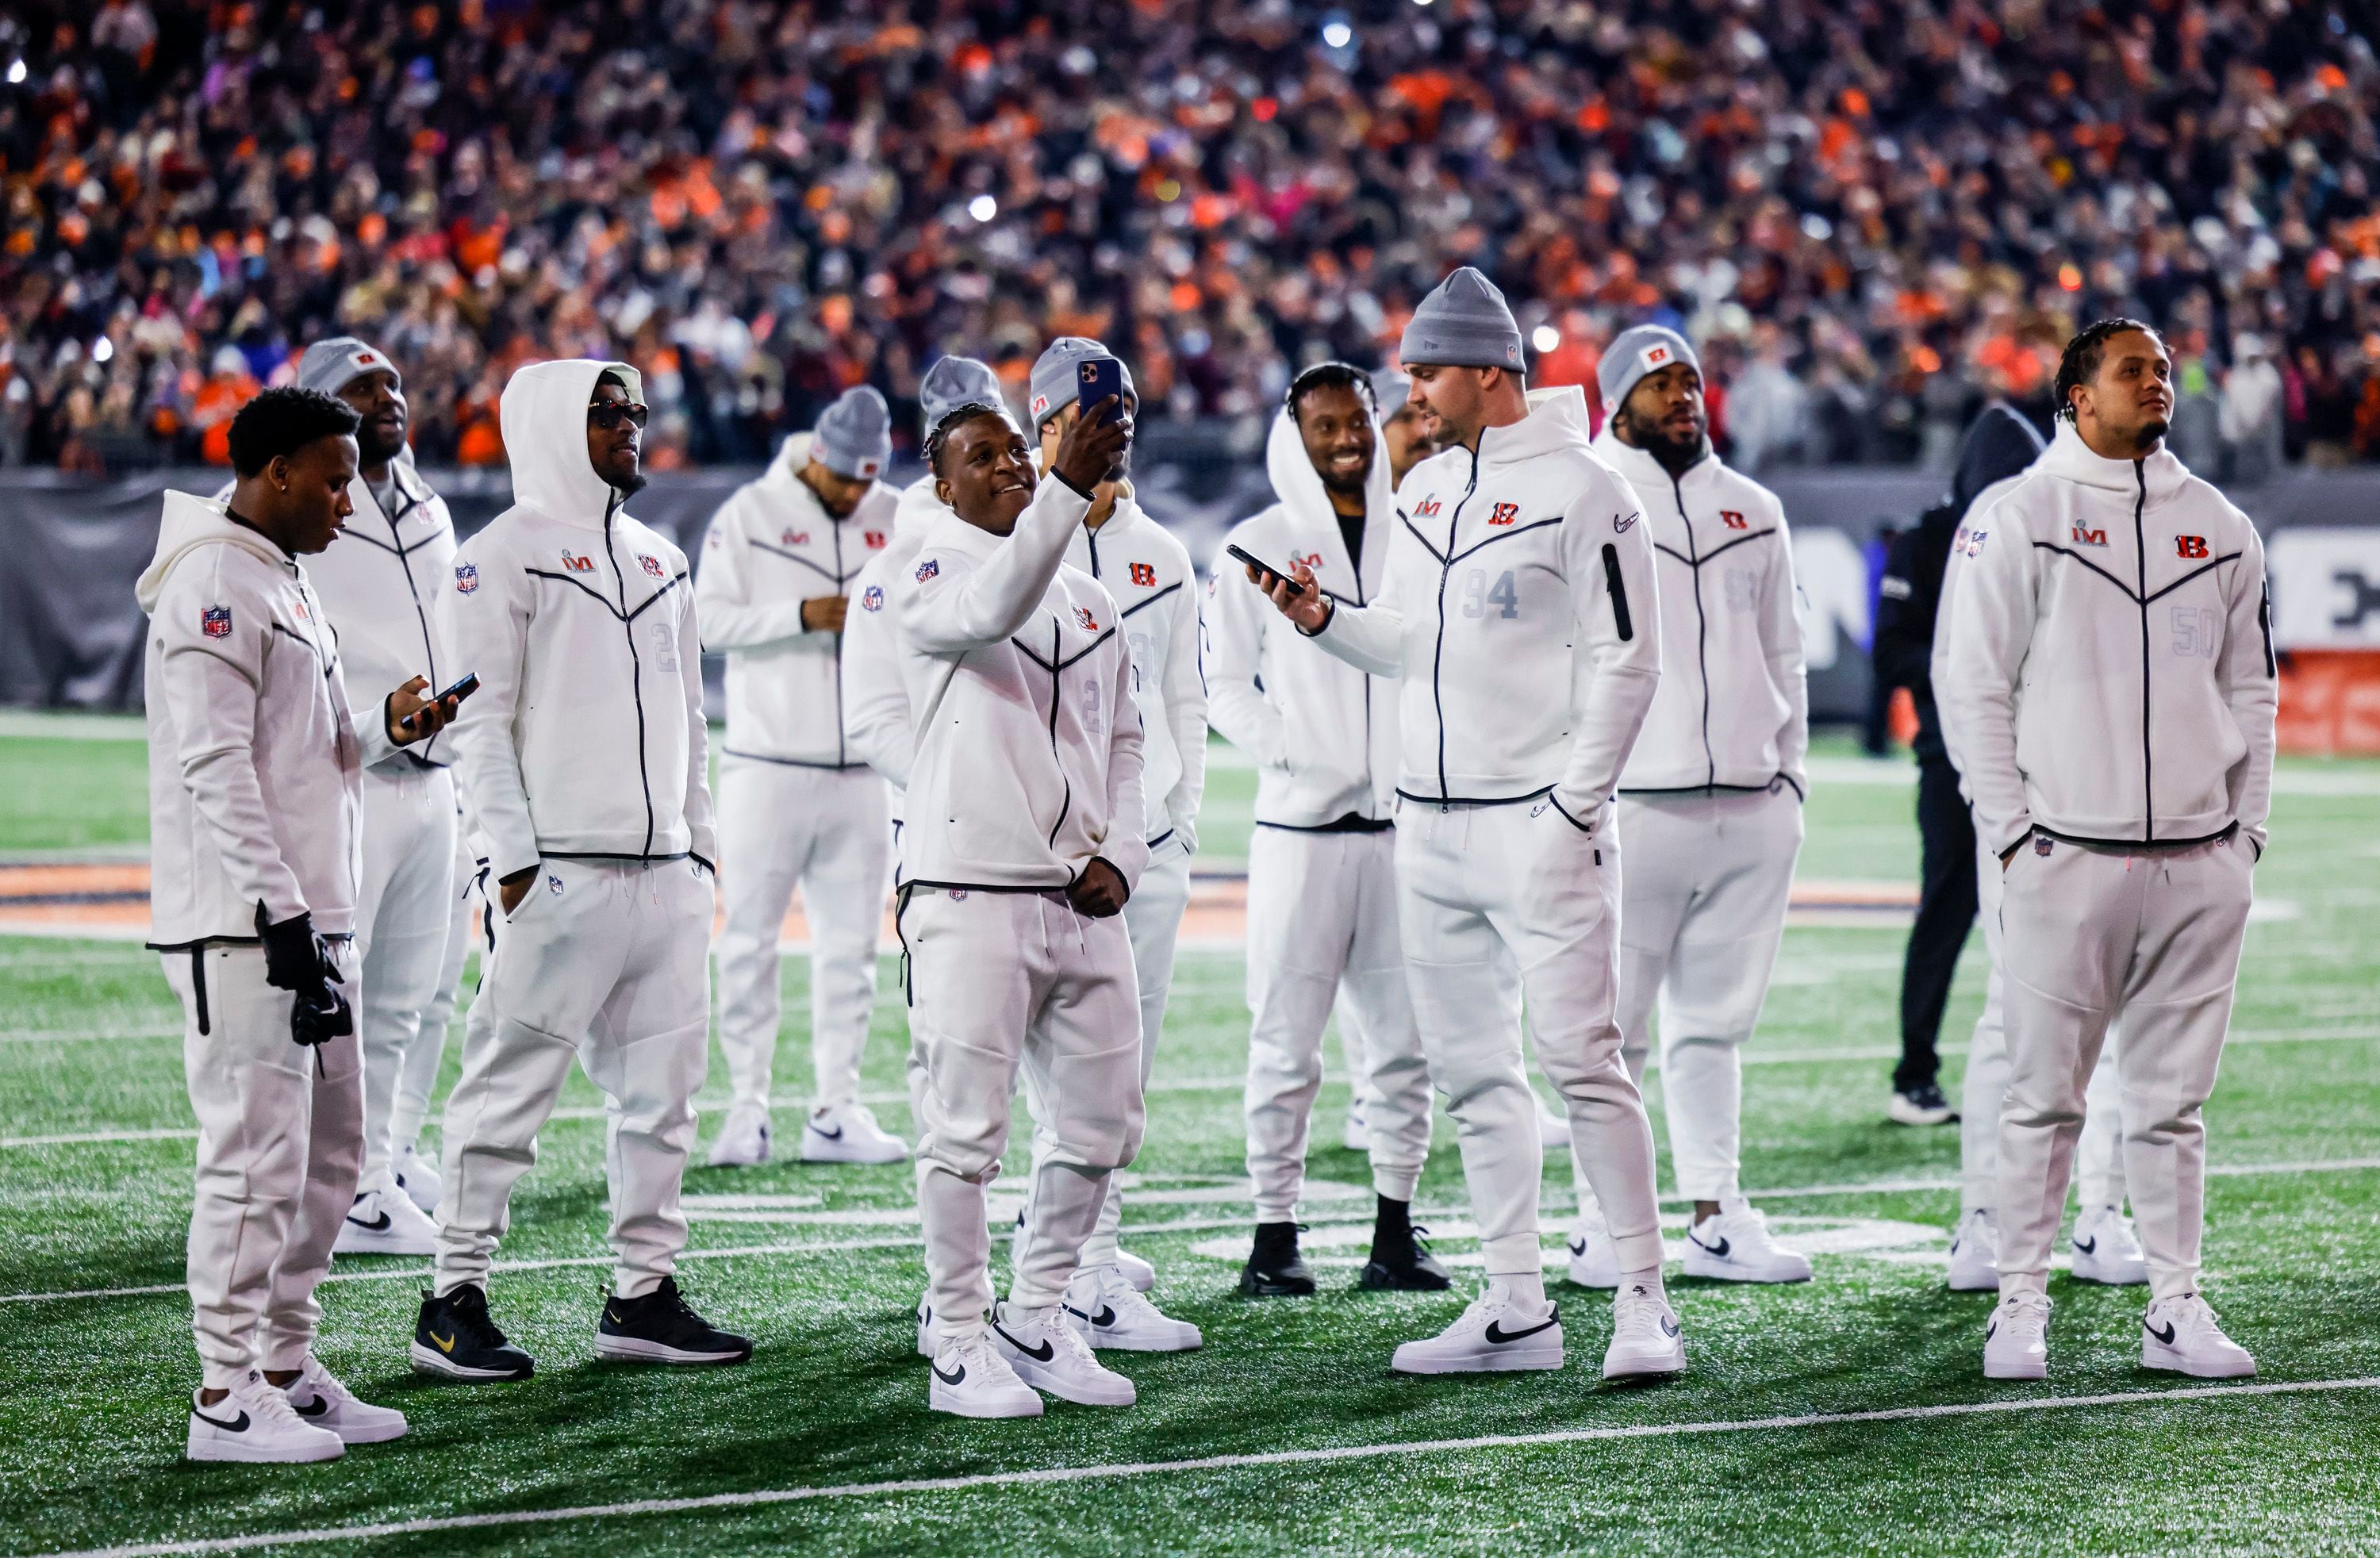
[[1464, 323]]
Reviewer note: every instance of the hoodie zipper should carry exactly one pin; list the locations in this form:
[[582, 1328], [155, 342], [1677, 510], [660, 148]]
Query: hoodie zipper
[[1702, 629], [1437, 661], [1057, 665], [405, 561], [2141, 571], [842, 757], [635, 668]]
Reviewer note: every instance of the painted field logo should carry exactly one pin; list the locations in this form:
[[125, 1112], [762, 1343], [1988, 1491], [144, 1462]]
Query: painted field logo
[[1733, 519], [215, 622], [652, 565], [873, 599], [2189, 546], [467, 577], [2086, 536], [1144, 575], [1504, 514]]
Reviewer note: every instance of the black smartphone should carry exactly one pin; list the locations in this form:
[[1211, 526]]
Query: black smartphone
[[1098, 378], [465, 687], [1262, 567]]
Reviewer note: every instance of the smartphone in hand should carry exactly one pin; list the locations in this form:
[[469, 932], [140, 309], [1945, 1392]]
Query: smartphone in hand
[[1096, 379], [1262, 567]]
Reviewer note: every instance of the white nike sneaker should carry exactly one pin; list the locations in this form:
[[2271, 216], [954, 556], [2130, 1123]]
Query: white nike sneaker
[[927, 1340], [2105, 1249], [1593, 1260], [1139, 1273], [1053, 1356], [1553, 1127], [1356, 1134], [744, 1139], [418, 1177], [317, 1395], [971, 1380], [2016, 1340], [1975, 1253], [385, 1223], [2184, 1337], [1645, 1335], [1735, 1246], [848, 1134], [256, 1423], [1102, 1304], [1488, 1337]]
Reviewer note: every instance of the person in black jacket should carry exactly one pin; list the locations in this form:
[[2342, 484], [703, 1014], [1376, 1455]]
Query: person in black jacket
[[1998, 445]]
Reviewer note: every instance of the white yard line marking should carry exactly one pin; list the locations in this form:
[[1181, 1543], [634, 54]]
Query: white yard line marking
[[1048, 1476]]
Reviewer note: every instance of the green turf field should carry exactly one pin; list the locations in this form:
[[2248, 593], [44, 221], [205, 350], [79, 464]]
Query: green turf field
[[1833, 1417]]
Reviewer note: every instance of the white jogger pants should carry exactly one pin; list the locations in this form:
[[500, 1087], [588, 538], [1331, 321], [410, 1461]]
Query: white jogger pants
[[603, 960], [2092, 937], [2098, 1153], [280, 1151], [1000, 983], [1702, 915], [419, 1077], [1499, 903], [827, 831], [1322, 920], [404, 917]]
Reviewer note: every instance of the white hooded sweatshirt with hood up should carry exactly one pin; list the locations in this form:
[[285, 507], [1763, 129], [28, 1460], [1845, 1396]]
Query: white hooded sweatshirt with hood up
[[771, 546], [1733, 708], [2111, 677], [875, 720], [255, 765], [1323, 735], [585, 737], [1520, 610]]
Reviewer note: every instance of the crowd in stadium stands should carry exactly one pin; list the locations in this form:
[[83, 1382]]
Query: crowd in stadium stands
[[1870, 212]]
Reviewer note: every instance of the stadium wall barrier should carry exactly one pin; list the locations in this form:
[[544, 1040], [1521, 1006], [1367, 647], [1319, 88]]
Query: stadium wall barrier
[[70, 548]]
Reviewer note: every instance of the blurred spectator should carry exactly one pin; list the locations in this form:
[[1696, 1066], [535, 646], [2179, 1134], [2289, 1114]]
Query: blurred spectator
[[1869, 215], [2252, 412]]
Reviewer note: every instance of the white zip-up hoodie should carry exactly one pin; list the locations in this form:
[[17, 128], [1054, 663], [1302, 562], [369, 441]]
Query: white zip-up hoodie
[[1028, 761], [2111, 677], [1938, 661], [1519, 609], [770, 547], [585, 737], [379, 581], [255, 764], [1324, 737], [876, 726], [1149, 574], [1733, 708]]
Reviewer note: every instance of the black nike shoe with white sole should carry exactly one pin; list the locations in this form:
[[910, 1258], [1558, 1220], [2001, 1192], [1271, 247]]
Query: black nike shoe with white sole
[[659, 1327], [454, 1339], [1274, 1269], [1401, 1263]]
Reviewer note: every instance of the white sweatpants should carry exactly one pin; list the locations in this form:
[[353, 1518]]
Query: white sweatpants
[[280, 1151], [1502, 902], [404, 916], [1322, 922], [2099, 1152], [826, 829], [419, 1077], [604, 960], [1702, 914], [2090, 937], [1000, 982]]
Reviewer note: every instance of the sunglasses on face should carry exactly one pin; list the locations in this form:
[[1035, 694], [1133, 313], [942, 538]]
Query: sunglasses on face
[[609, 414]]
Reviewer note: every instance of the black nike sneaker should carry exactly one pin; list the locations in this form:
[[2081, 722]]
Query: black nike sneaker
[[1401, 1263], [455, 1340], [661, 1328], [1274, 1269], [1920, 1106]]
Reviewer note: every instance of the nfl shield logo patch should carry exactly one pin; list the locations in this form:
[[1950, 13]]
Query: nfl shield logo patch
[[928, 569], [215, 622], [467, 577], [873, 599], [652, 565]]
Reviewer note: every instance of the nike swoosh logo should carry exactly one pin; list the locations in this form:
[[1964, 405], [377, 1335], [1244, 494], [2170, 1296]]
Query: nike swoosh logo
[[2081, 1248], [1717, 1251], [378, 1224], [613, 1315], [1668, 1325], [1622, 526], [1993, 1328], [239, 1426], [2166, 1335], [953, 1378], [444, 1344], [1047, 1351], [1496, 1334], [834, 1135], [1578, 1249], [321, 1404]]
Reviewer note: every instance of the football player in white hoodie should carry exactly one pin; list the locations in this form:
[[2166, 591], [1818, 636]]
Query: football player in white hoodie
[[1322, 905], [1520, 610], [795, 803], [1711, 803], [585, 767], [255, 787], [2111, 681], [1022, 843]]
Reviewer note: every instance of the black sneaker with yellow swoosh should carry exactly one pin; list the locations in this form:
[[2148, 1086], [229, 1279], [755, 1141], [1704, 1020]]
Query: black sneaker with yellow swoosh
[[455, 1340]]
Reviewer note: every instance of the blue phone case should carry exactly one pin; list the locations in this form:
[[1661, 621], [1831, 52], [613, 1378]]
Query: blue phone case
[[1097, 378]]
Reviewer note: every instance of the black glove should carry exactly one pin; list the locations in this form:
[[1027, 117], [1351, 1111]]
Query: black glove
[[293, 953], [319, 1017]]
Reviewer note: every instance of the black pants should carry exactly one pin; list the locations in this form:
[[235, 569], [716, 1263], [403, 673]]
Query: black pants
[[1945, 911]]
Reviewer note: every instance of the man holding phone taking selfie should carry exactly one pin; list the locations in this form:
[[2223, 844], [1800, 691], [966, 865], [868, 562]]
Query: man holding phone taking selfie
[[583, 758]]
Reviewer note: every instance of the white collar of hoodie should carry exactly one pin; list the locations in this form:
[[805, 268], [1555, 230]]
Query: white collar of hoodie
[[543, 414], [188, 523], [2069, 459], [1640, 466], [1557, 419]]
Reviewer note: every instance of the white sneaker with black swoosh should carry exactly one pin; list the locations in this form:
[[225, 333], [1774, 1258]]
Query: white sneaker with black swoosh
[[1102, 1304], [1975, 1253], [2016, 1339], [971, 1380], [1593, 1263], [1735, 1246], [385, 1223], [317, 1395], [1051, 1355], [254, 1422], [848, 1134], [2106, 1250], [1645, 1335], [927, 1341], [744, 1139], [1490, 1336], [418, 1176], [2182, 1336]]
